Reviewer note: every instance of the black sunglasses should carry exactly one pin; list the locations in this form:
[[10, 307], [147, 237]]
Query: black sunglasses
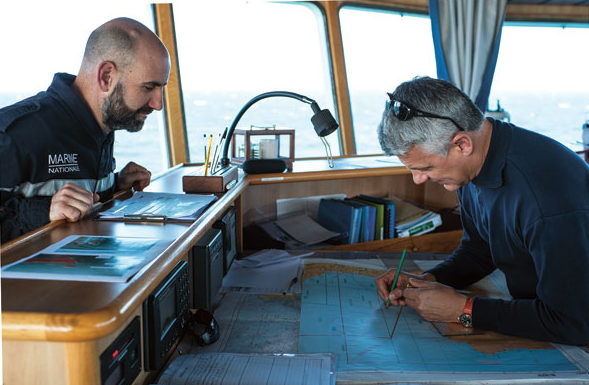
[[404, 112]]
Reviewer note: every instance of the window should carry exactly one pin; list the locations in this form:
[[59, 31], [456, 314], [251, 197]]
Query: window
[[541, 79], [382, 49], [38, 43], [229, 54]]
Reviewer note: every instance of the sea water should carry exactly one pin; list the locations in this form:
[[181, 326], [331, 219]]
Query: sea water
[[558, 115]]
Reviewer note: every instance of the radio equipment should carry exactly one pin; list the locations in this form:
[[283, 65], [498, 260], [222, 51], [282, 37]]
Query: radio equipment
[[120, 363], [207, 268], [165, 313], [227, 225]]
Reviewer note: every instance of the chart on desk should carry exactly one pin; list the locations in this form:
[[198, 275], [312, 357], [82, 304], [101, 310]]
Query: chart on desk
[[342, 314]]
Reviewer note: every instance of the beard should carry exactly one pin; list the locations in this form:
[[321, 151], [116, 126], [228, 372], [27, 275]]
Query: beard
[[116, 115]]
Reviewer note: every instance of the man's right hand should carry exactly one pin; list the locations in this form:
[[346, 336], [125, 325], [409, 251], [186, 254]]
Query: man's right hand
[[71, 203], [395, 294]]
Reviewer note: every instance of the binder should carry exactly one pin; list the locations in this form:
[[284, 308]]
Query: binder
[[366, 228], [337, 216], [368, 231], [389, 214], [378, 219]]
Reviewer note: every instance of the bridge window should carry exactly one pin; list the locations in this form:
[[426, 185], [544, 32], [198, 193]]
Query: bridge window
[[541, 79], [37, 44], [229, 54], [382, 49]]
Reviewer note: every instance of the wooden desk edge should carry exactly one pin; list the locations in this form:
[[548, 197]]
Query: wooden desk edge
[[102, 322], [289, 177]]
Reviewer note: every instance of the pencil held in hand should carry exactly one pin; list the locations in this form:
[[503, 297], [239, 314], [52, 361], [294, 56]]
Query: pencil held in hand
[[397, 274]]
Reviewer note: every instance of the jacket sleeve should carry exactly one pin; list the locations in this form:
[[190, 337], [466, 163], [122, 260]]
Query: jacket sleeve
[[20, 215], [559, 246]]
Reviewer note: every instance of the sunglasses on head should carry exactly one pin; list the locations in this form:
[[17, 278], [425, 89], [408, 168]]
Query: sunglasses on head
[[404, 112]]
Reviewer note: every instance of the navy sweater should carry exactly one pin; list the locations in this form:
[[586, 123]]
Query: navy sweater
[[46, 141], [527, 213]]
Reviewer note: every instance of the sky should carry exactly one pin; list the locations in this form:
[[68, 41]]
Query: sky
[[52, 36]]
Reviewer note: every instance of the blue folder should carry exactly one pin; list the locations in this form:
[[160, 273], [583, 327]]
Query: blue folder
[[368, 220], [336, 215], [389, 217]]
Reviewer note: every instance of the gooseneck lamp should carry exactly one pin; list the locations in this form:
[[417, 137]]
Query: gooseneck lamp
[[323, 122]]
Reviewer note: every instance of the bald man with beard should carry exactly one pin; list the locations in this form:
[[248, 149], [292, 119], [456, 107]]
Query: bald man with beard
[[56, 148]]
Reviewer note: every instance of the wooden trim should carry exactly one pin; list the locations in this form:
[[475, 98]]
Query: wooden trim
[[26, 362], [82, 363], [514, 12], [25, 238], [239, 225], [338, 73], [173, 100], [417, 6], [265, 179], [443, 243], [548, 13]]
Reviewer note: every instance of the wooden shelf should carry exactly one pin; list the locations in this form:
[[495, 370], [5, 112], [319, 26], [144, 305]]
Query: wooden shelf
[[439, 243]]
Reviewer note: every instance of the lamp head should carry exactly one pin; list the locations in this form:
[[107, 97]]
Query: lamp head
[[323, 122]]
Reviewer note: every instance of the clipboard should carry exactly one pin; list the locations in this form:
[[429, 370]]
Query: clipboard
[[151, 207]]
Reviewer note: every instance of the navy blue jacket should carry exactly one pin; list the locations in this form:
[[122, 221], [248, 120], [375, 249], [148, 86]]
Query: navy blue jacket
[[527, 213], [46, 141]]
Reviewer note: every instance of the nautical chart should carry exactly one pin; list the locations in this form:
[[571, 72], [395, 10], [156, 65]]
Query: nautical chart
[[342, 314], [338, 312]]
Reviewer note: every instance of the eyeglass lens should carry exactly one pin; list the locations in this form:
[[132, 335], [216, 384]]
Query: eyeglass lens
[[401, 111]]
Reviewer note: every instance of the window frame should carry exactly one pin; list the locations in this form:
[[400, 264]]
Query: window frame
[[174, 122]]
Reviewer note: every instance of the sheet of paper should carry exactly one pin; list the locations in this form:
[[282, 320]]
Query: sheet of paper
[[269, 257], [274, 273], [276, 233], [87, 258], [305, 230], [305, 205], [245, 369]]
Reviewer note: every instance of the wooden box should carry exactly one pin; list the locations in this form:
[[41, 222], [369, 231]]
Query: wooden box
[[219, 182], [245, 138]]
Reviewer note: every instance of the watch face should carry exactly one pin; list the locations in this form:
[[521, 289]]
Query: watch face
[[465, 320]]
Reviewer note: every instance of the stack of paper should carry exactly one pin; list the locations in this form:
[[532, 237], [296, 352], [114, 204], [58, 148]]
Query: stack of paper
[[412, 220], [266, 272], [252, 368], [305, 230]]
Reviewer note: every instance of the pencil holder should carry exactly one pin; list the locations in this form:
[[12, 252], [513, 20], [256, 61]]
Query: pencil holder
[[218, 182]]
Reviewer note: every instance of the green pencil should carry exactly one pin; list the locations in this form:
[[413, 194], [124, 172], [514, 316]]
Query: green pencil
[[397, 274]]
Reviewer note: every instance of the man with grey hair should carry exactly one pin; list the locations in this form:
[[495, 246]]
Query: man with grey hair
[[56, 148], [524, 208]]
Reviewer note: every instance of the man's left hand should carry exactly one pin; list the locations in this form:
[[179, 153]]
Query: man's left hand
[[434, 301], [133, 175]]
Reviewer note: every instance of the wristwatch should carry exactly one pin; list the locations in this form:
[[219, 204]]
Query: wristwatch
[[466, 317]]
